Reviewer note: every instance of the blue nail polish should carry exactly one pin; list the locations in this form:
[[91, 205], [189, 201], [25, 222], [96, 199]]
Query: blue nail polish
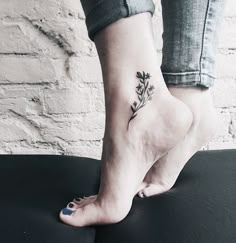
[[67, 211]]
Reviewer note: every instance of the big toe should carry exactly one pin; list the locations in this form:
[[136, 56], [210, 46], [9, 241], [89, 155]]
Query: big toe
[[82, 216]]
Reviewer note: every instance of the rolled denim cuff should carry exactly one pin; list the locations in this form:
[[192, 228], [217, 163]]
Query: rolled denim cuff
[[101, 13], [189, 79]]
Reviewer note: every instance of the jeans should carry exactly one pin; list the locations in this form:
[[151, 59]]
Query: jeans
[[190, 34]]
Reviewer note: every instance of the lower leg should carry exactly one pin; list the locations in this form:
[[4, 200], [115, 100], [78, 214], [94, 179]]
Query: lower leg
[[130, 151]]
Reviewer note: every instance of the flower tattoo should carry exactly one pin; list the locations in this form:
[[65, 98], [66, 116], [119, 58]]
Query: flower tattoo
[[144, 91]]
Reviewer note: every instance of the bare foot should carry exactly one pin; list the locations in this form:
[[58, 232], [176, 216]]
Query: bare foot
[[164, 173], [127, 156], [136, 103]]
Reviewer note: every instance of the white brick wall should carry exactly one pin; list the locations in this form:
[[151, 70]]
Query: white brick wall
[[51, 91]]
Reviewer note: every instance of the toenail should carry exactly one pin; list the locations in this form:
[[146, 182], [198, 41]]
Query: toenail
[[67, 211], [70, 205], [78, 199]]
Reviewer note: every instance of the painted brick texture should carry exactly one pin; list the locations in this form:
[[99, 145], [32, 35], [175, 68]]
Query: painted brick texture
[[51, 90]]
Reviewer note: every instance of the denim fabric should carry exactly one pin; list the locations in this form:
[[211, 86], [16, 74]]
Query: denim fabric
[[190, 40], [190, 37], [100, 13]]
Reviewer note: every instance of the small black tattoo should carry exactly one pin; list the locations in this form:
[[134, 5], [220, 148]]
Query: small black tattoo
[[144, 91]]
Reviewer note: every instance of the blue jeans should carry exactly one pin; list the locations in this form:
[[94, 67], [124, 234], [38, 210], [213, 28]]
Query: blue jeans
[[190, 36]]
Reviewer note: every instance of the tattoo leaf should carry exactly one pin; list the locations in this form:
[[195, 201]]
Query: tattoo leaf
[[133, 117], [133, 109], [148, 76], [139, 87]]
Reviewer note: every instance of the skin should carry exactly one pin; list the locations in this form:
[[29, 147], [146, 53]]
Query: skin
[[144, 91], [164, 173], [133, 145]]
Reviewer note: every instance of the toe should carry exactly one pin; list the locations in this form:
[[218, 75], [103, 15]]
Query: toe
[[84, 201], [86, 215], [78, 200], [71, 205], [92, 214], [151, 190], [67, 211], [140, 193]]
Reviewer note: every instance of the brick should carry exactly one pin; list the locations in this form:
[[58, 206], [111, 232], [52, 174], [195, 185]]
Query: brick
[[29, 69], [39, 9], [78, 38], [86, 69], [224, 92], [70, 133], [16, 148], [13, 40], [37, 147], [67, 100], [22, 38], [85, 149], [222, 133], [226, 60], [157, 31], [227, 35], [72, 8], [232, 125], [69, 34], [85, 127], [11, 130], [230, 8], [22, 101], [157, 8], [157, 26], [99, 99]]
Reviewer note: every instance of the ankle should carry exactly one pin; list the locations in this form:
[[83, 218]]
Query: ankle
[[122, 94], [205, 118]]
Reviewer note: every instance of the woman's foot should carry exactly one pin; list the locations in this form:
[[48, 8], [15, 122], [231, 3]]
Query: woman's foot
[[135, 104], [164, 173], [128, 154]]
